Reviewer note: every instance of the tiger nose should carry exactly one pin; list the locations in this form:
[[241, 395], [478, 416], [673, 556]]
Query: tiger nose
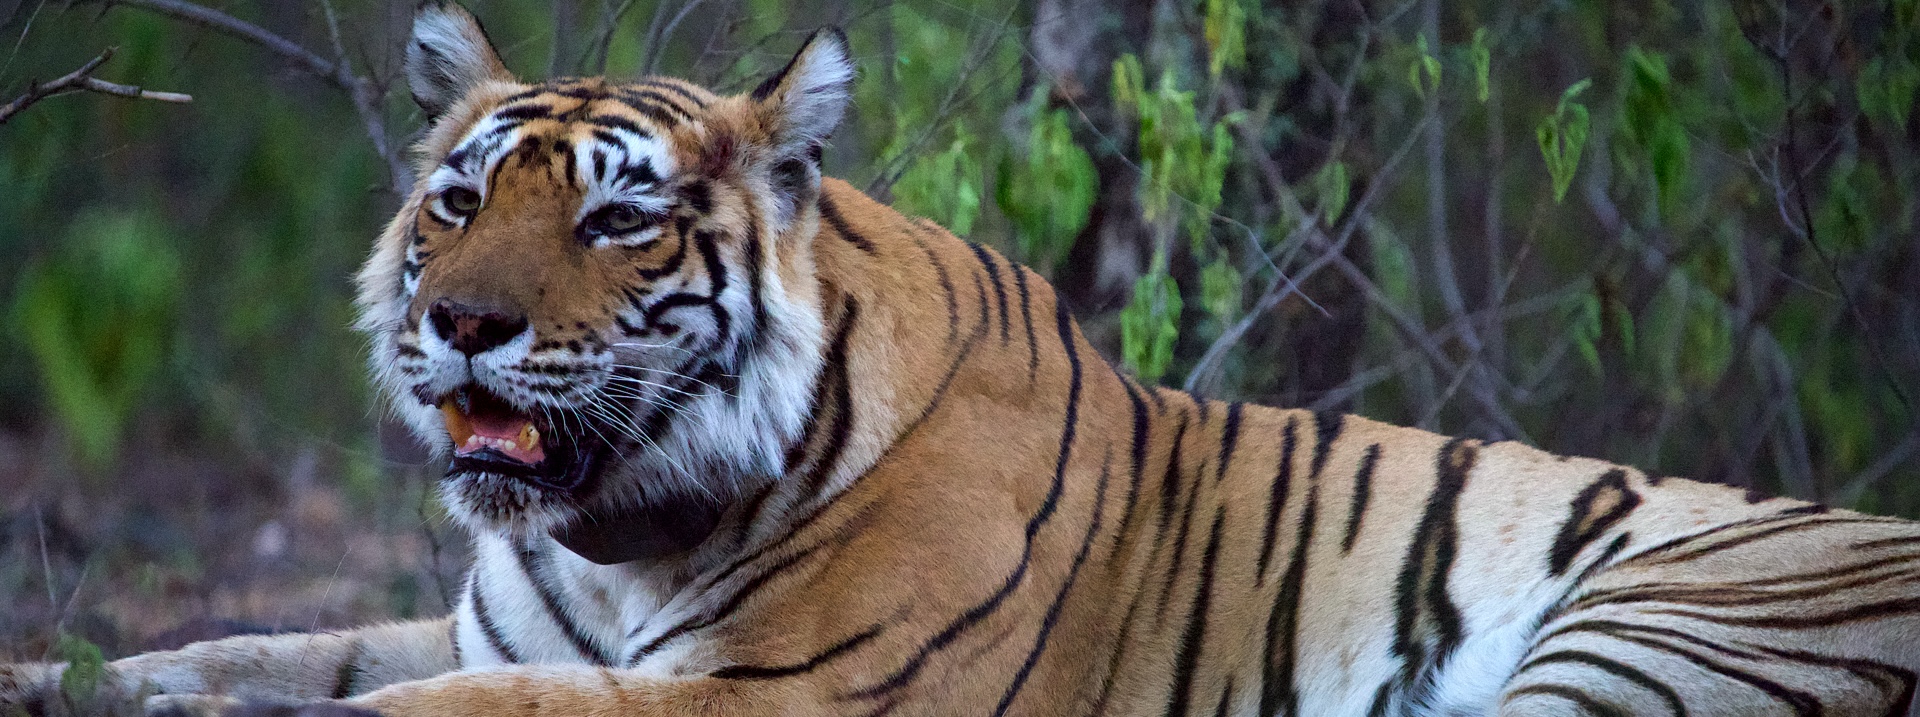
[[472, 330]]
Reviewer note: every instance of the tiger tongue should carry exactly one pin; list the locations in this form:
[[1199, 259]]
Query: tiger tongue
[[485, 427]]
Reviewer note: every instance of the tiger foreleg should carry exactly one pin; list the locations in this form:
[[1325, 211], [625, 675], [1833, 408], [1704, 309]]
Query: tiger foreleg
[[278, 668], [588, 692]]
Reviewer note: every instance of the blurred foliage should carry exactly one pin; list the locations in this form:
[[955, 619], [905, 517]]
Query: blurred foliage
[[1678, 235]]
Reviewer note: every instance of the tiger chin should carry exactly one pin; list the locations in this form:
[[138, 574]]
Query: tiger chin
[[734, 439]]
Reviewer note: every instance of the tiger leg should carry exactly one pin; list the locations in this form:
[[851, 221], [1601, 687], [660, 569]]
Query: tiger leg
[[568, 691], [289, 667]]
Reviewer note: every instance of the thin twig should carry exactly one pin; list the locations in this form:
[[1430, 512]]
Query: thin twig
[[82, 80], [366, 96]]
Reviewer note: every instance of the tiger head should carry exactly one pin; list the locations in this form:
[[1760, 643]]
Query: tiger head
[[601, 291]]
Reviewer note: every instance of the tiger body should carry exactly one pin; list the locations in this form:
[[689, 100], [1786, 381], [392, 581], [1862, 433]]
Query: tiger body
[[782, 450]]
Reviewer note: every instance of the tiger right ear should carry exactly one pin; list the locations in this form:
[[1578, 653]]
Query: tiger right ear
[[448, 55]]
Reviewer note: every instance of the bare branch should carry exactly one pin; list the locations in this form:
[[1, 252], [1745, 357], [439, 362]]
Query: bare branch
[[82, 80], [367, 97]]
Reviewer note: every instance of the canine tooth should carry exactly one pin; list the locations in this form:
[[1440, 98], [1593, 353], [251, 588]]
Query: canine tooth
[[529, 437]]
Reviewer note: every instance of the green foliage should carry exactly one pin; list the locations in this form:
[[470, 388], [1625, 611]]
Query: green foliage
[[1184, 160], [1150, 323], [1887, 89], [1652, 121], [1482, 57], [1330, 185], [1562, 136], [1049, 196], [98, 319], [86, 665], [1220, 289], [1423, 75], [1226, 34], [944, 187]]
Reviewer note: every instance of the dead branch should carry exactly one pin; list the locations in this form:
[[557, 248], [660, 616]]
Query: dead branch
[[367, 97], [82, 80]]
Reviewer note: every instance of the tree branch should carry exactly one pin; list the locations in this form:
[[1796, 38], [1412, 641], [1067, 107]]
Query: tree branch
[[366, 96], [82, 80]]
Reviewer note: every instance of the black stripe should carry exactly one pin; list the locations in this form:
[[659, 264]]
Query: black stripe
[[1582, 526], [1137, 474], [1326, 429], [973, 616], [946, 286], [453, 638], [842, 387], [1170, 480], [1229, 439], [1277, 496], [1052, 617], [1586, 703], [1426, 622], [1803, 704], [535, 572], [1362, 486], [999, 289], [1382, 700], [1277, 693], [1226, 699], [522, 113], [1614, 667], [688, 95], [832, 371], [1654, 555], [1187, 659], [756, 672], [349, 672], [1026, 317], [491, 631], [650, 97], [839, 223], [722, 612], [1172, 574]]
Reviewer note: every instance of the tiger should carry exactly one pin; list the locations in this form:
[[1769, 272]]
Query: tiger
[[731, 438]]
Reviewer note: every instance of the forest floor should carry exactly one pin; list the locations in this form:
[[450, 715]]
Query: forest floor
[[172, 548]]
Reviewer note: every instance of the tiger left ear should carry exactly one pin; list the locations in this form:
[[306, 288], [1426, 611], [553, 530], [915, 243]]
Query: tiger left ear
[[802, 104]]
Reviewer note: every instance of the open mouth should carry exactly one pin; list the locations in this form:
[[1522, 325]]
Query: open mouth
[[490, 436]]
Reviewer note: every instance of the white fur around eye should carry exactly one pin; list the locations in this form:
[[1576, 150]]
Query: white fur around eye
[[630, 240]]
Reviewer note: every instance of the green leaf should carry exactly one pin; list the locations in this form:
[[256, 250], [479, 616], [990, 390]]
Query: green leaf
[[1424, 73], [944, 187], [1226, 32], [1220, 289], [1331, 186], [1482, 64], [1048, 197], [1563, 136], [1149, 324]]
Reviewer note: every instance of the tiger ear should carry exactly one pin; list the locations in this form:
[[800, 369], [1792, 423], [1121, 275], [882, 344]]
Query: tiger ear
[[448, 55], [802, 103], [799, 107]]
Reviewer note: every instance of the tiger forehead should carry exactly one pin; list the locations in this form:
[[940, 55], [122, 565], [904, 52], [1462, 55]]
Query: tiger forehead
[[664, 103]]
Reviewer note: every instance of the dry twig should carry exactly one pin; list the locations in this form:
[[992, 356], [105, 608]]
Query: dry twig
[[367, 96], [82, 80]]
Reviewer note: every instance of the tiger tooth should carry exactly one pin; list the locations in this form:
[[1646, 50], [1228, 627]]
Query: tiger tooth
[[529, 437]]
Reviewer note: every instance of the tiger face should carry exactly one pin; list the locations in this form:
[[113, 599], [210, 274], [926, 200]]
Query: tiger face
[[601, 292]]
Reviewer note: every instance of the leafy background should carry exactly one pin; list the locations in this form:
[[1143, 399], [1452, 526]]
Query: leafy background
[[1674, 234]]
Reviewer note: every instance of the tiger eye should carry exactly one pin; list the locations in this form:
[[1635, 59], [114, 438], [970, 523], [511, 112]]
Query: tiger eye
[[462, 200], [622, 218]]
